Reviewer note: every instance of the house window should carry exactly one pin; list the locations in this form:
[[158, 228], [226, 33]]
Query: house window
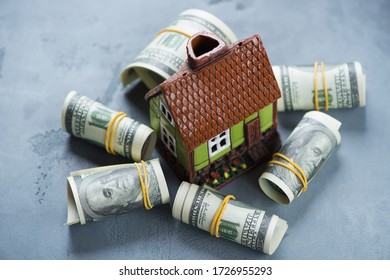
[[219, 143], [168, 139], [167, 114]]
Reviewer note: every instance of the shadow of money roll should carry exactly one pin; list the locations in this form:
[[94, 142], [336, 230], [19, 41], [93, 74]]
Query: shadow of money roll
[[303, 154], [87, 119], [207, 209]]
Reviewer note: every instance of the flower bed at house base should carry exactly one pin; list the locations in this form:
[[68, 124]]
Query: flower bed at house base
[[227, 168]]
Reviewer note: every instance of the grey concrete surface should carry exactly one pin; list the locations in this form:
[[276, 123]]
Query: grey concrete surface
[[48, 48]]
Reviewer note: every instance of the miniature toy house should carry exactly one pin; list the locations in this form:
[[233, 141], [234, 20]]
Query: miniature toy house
[[217, 116]]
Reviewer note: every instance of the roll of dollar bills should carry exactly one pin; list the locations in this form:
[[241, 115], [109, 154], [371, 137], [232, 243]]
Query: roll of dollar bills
[[165, 55], [100, 192], [90, 120], [345, 86], [239, 222], [301, 157]]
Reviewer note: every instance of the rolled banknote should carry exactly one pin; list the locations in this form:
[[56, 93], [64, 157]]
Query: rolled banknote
[[301, 89], [301, 157], [90, 120], [100, 192], [238, 222], [165, 55]]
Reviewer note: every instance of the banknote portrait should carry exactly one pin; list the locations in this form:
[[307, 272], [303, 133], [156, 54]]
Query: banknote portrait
[[309, 147], [114, 192]]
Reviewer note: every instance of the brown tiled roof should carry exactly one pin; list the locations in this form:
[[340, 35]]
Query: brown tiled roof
[[207, 101]]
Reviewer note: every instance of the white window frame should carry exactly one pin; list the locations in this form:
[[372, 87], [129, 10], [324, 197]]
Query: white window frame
[[168, 139], [219, 143], [166, 113]]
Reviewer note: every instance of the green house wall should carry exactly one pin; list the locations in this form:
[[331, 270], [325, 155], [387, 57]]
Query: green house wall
[[266, 117], [156, 119], [155, 114], [182, 154], [237, 136], [201, 155]]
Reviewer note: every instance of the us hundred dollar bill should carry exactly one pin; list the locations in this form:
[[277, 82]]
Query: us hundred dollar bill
[[345, 83], [85, 118], [240, 223], [165, 55], [96, 193], [309, 146]]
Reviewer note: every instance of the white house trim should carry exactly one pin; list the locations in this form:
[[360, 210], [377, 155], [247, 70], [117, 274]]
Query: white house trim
[[219, 143]]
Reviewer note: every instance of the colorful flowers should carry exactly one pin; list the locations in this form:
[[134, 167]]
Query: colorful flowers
[[224, 173]]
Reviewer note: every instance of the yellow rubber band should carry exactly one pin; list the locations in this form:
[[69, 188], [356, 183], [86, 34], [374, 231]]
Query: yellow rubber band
[[111, 131], [175, 31], [317, 106], [214, 227], [112, 137], [325, 87], [297, 171], [143, 178]]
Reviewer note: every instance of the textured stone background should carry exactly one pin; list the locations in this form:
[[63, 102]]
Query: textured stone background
[[48, 48]]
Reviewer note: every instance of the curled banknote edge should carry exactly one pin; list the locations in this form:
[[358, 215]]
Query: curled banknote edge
[[97, 193], [309, 146], [87, 119], [240, 222], [166, 54]]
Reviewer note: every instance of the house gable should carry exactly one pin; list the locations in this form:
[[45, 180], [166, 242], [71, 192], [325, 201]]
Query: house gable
[[207, 101]]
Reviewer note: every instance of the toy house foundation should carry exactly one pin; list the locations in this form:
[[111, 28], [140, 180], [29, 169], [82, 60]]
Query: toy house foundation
[[217, 117]]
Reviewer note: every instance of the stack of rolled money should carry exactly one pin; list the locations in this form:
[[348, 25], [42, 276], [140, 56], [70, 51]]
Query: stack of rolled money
[[96, 193], [343, 85], [239, 222], [321, 86], [92, 121], [100, 192], [305, 151], [303, 87], [165, 55]]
